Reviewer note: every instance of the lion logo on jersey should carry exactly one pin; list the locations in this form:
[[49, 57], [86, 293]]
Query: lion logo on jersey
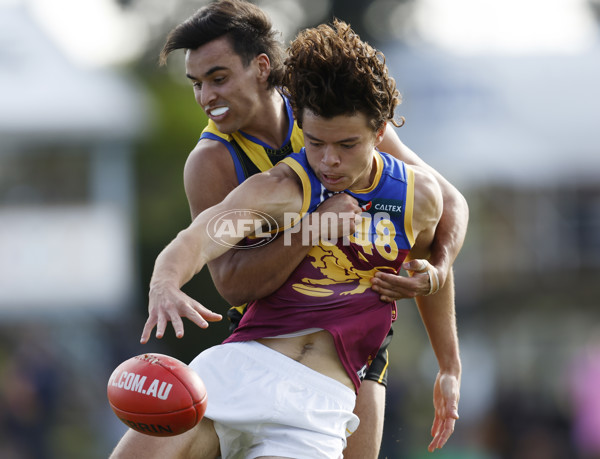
[[337, 269]]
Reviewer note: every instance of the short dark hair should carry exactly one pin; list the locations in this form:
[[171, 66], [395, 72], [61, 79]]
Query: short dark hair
[[247, 27], [332, 72]]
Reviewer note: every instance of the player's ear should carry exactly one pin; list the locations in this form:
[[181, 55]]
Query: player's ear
[[264, 66], [380, 133]]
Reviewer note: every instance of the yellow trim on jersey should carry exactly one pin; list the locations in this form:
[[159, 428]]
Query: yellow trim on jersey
[[240, 308], [254, 151], [379, 171], [297, 138], [301, 173], [387, 362], [410, 202]]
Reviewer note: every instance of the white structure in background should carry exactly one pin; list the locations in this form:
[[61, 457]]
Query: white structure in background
[[66, 232], [513, 122], [502, 119], [502, 92]]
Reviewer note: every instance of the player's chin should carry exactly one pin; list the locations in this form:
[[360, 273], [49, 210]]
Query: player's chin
[[332, 183], [226, 127], [335, 188]]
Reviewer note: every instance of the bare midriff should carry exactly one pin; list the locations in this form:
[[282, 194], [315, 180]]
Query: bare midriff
[[315, 350]]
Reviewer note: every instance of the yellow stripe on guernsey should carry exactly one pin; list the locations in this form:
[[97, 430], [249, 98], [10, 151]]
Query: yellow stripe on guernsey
[[410, 201], [306, 188], [387, 362], [254, 151], [378, 172]]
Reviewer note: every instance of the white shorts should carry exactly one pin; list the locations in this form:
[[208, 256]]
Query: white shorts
[[266, 404]]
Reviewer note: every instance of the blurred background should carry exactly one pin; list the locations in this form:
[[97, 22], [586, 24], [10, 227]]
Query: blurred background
[[501, 97]]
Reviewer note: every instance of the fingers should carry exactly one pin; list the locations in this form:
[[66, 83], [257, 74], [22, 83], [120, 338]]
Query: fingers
[[161, 326], [442, 434], [395, 287], [423, 266], [340, 203], [150, 323], [419, 266], [201, 316], [445, 399], [173, 311], [387, 294], [453, 410], [177, 325], [442, 430]]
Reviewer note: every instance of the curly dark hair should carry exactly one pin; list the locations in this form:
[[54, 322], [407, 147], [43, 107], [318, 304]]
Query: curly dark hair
[[248, 28], [332, 72]]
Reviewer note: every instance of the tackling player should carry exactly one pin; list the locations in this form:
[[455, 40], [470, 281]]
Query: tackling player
[[356, 130], [234, 62]]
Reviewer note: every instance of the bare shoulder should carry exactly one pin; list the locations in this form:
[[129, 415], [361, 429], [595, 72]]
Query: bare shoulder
[[209, 175], [428, 202]]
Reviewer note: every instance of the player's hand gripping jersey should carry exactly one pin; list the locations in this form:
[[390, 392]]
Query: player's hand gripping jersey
[[330, 289]]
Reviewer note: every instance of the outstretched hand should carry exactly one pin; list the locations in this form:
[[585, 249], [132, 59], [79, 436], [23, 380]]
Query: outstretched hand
[[170, 304], [446, 393], [426, 279]]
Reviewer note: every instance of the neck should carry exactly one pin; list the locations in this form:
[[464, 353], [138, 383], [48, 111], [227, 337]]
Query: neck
[[271, 121], [369, 175]]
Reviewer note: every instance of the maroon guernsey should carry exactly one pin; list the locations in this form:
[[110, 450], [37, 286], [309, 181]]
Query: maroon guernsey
[[330, 289]]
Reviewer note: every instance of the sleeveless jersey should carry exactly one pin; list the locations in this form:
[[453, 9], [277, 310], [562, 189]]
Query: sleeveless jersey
[[250, 155], [330, 289]]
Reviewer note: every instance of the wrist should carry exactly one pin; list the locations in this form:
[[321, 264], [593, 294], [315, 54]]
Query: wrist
[[442, 266], [159, 284], [451, 367]]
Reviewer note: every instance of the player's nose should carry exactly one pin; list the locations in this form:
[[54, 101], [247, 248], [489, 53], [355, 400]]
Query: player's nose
[[330, 157], [207, 96]]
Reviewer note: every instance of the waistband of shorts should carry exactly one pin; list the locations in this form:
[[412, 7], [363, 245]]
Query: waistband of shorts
[[284, 365]]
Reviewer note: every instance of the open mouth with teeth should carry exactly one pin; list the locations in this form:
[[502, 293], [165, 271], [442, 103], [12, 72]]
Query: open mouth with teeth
[[219, 111], [332, 179]]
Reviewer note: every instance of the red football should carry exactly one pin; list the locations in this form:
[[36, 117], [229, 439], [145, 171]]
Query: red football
[[157, 395]]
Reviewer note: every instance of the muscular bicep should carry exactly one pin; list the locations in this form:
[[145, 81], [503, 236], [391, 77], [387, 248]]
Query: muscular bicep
[[276, 192], [273, 193], [209, 179], [238, 275], [452, 228], [427, 211]]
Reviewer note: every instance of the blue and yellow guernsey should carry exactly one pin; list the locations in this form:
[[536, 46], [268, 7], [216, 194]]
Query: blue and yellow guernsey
[[250, 155], [330, 289]]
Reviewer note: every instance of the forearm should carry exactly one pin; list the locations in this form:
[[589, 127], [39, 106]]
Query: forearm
[[439, 317], [245, 275], [180, 260], [191, 249]]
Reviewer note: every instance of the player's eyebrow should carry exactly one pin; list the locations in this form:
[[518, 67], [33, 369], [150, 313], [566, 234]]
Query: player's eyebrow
[[209, 72], [348, 140]]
